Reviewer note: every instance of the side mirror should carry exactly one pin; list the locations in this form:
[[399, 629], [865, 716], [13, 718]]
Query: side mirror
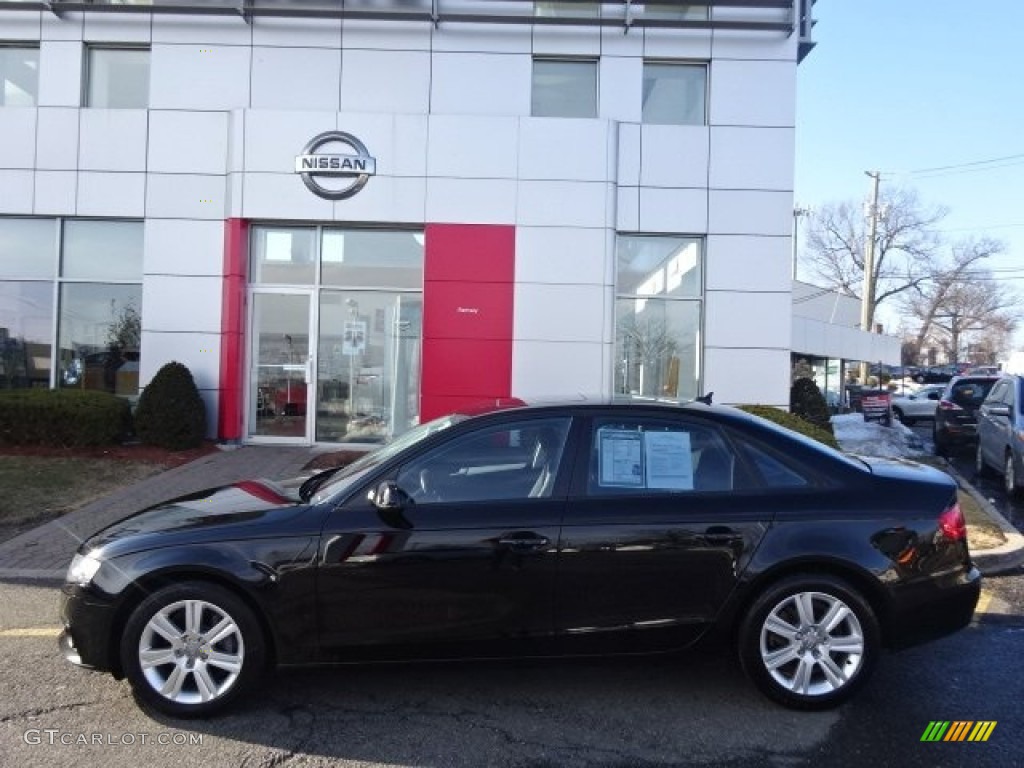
[[998, 409], [388, 495]]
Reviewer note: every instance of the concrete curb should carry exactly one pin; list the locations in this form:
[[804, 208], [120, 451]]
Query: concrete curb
[[1001, 559]]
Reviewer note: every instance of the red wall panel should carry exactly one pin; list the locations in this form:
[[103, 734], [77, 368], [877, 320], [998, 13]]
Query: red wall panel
[[232, 329], [468, 291]]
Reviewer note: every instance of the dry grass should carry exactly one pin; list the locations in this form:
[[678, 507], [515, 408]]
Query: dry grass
[[34, 489]]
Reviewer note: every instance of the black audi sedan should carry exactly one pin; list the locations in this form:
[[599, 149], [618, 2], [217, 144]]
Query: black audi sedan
[[585, 528]]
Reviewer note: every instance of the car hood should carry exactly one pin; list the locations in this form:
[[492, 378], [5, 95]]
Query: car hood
[[247, 509]]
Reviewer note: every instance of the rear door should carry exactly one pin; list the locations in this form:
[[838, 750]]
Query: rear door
[[663, 518]]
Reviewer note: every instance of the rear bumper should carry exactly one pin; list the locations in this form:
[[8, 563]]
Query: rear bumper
[[935, 609]]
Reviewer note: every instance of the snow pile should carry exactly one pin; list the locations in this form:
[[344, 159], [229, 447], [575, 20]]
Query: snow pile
[[872, 439]]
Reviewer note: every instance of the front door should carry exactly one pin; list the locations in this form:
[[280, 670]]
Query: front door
[[466, 567], [280, 367]]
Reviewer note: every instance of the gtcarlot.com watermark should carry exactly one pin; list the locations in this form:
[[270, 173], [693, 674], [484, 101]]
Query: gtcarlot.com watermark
[[54, 737]]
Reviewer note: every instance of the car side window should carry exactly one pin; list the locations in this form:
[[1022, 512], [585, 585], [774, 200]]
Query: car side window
[[514, 460], [648, 456], [773, 469]]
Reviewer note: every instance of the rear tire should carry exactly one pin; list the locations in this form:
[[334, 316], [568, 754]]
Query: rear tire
[[809, 642], [903, 417], [190, 649]]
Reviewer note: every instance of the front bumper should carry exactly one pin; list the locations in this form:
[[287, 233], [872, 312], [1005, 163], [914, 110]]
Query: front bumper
[[87, 629]]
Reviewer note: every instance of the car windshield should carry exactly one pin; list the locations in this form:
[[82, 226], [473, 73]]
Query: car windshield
[[357, 469]]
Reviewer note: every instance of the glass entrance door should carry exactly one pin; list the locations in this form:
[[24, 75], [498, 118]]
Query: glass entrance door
[[280, 366], [367, 386]]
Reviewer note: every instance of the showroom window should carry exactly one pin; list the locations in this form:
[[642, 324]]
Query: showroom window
[[674, 93], [70, 304], [117, 78], [564, 88], [19, 75], [658, 316]]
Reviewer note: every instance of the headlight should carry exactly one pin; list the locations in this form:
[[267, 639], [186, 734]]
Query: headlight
[[82, 569]]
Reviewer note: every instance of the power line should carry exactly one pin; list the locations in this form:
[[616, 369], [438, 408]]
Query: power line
[[967, 165]]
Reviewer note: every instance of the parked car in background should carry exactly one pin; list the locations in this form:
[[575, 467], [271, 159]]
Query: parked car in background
[[911, 406], [956, 418], [1001, 433], [582, 528], [983, 370], [937, 374]]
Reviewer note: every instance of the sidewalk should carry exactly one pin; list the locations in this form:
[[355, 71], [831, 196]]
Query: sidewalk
[[1001, 559], [44, 552]]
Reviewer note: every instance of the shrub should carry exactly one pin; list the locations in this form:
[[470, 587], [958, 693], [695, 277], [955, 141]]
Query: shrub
[[171, 413], [793, 422], [63, 417], [807, 402]]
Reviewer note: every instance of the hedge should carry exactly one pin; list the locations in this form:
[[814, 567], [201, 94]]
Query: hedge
[[793, 422], [62, 417]]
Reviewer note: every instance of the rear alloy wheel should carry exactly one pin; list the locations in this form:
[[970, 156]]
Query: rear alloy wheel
[[809, 642], [189, 649], [1010, 479]]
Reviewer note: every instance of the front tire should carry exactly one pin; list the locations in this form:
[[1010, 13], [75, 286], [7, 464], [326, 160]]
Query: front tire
[[809, 642], [189, 649], [1011, 481], [981, 469], [903, 418]]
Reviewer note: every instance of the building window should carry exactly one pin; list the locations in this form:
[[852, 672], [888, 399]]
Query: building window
[[658, 316], [674, 93], [117, 78], [567, 10], [19, 76], [83, 280], [675, 11], [564, 88]]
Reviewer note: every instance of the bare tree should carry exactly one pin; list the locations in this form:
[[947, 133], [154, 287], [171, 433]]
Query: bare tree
[[964, 303], [906, 245]]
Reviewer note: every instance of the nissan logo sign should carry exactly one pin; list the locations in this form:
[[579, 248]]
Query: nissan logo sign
[[312, 164]]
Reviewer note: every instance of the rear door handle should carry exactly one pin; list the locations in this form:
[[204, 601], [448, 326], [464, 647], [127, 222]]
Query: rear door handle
[[523, 541]]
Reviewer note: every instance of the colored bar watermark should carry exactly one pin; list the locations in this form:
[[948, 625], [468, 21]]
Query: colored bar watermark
[[958, 730]]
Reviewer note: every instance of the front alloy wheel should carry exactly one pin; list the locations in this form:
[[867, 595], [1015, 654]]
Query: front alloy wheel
[[188, 649], [809, 642]]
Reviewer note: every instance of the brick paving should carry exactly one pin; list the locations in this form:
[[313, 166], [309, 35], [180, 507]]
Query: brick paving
[[44, 552]]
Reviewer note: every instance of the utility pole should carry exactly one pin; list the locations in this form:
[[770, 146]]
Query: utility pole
[[867, 313]]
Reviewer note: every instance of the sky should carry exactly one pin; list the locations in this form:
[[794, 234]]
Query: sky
[[900, 86]]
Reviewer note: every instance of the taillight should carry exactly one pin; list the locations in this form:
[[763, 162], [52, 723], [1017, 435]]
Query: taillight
[[952, 523], [949, 405]]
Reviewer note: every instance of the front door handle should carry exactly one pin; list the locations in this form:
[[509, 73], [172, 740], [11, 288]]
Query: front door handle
[[523, 541], [722, 534]]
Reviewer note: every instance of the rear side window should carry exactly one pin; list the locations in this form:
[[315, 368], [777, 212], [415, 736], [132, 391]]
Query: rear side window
[[969, 393], [653, 456], [774, 470]]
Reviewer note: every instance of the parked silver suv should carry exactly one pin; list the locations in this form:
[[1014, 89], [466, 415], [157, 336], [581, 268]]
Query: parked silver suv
[[1001, 433]]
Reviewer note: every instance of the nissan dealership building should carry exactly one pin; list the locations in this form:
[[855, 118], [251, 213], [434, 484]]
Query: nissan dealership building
[[349, 218]]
